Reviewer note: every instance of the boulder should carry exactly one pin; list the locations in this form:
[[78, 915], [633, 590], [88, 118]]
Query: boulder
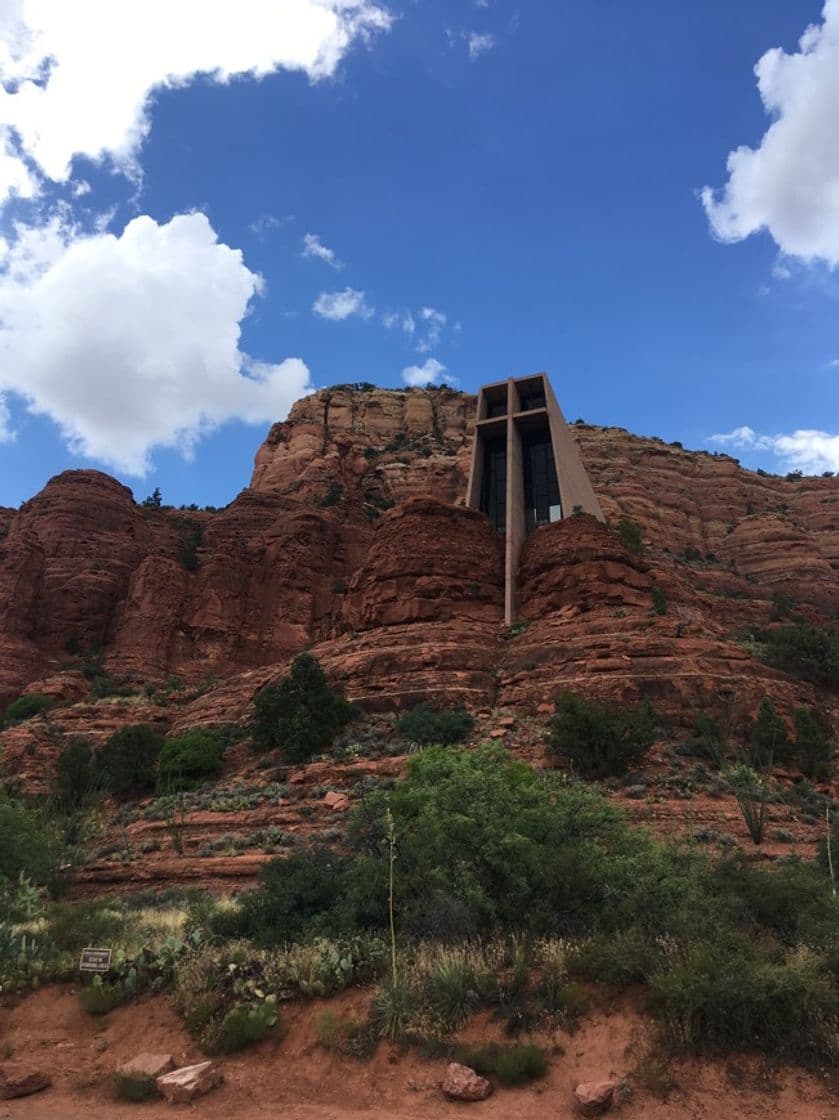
[[594, 1097], [462, 1084], [183, 1085], [20, 1080], [337, 802], [147, 1066]]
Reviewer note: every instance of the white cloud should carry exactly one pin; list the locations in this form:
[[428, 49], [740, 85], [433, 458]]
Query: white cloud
[[6, 433], [433, 321], [77, 78], [402, 319], [132, 342], [789, 184], [430, 371], [479, 44], [314, 247], [341, 305], [806, 449]]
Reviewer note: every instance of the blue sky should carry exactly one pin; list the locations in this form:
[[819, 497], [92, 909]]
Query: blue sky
[[485, 190]]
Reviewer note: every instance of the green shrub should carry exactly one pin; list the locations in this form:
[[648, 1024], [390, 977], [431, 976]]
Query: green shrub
[[26, 846], [25, 707], [630, 534], [658, 600], [426, 725], [752, 792], [512, 1065], [244, 1024], [599, 738], [134, 1087], [101, 997], [393, 1010], [619, 960], [77, 778], [813, 744], [77, 925], [128, 761], [188, 759], [301, 714], [448, 992], [810, 652], [726, 995], [347, 1037], [709, 739], [299, 896], [768, 738]]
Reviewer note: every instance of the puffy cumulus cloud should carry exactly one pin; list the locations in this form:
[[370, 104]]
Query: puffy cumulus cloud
[[131, 342], [429, 372], [806, 449], [314, 247], [789, 184], [77, 78], [341, 305]]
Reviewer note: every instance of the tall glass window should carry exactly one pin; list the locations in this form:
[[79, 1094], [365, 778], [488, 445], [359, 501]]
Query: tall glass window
[[494, 484], [541, 487]]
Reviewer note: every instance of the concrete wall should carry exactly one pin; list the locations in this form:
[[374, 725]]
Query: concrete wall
[[575, 490]]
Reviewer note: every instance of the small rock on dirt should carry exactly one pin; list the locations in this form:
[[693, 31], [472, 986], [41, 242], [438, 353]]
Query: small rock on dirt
[[183, 1085], [148, 1065], [593, 1098], [462, 1084], [19, 1080], [336, 801]]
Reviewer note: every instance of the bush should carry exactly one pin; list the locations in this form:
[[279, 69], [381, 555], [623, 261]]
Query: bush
[[813, 744], [246, 1023], [74, 926], [77, 778], [134, 1087], [426, 725], [25, 707], [630, 534], [512, 1065], [301, 714], [100, 997], [301, 896], [26, 847], [768, 739], [599, 738], [810, 652], [128, 761], [709, 740], [659, 601], [751, 791], [188, 759], [726, 995]]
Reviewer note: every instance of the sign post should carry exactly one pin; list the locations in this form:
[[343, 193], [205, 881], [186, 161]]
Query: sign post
[[95, 960]]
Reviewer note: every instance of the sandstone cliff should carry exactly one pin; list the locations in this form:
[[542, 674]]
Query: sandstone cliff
[[352, 538]]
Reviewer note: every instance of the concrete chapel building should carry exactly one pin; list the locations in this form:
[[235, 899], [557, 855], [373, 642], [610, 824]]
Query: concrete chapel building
[[526, 470]]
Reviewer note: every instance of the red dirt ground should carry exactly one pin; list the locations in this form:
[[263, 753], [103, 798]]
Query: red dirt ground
[[296, 1079]]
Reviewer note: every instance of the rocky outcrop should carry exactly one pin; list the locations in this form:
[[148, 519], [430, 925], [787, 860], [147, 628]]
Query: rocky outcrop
[[182, 1086], [352, 539], [422, 615], [19, 1079], [593, 1098], [462, 1084]]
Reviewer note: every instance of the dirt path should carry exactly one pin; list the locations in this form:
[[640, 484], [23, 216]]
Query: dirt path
[[296, 1079]]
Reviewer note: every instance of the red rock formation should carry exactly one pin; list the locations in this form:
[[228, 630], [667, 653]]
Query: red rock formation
[[407, 605]]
